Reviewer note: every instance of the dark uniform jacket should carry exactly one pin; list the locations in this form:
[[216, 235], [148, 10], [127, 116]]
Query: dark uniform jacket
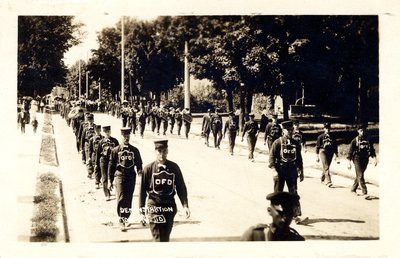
[[104, 149], [206, 125], [231, 125], [273, 131], [162, 183], [285, 151], [327, 142], [216, 123], [251, 127], [87, 133], [263, 232], [123, 160], [94, 144], [361, 147]]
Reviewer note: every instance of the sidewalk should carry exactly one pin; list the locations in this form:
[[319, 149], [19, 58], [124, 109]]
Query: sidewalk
[[27, 172]]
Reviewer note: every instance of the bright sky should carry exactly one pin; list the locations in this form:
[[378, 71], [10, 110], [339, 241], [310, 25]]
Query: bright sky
[[93, 23]]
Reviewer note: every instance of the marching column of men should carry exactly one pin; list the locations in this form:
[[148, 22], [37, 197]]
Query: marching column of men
[[119, 164], [114, 163]]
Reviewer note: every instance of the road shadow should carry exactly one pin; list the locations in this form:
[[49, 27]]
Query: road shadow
[[184, 222], [370, 197], [337, 186], [318, 220], [335, 237]]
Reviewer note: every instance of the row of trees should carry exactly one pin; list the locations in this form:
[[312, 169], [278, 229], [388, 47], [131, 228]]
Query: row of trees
[[333, 59], [42, 42]]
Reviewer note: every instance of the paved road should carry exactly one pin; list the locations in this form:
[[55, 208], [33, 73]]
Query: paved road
[[226, 194]]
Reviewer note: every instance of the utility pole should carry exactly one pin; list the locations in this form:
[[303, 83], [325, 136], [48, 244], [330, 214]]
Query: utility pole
[[80, 92], [187, 77], [122, 59], [87, 85]]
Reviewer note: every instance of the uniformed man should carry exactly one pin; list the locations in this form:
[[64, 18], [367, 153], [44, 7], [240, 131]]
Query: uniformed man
[[206, 126], [326, 147], [216, 128], [103, 157], [142, 122], [178, 119], [252, 129], [232, 126], [93, 146], [161, 180], [272, 131], [187, 121], [264, 119], [124, 112], [147, 111], [361, 149], [281, 209], [171, 118], [299, 135], [163, 114], [286, 163], [88, 132], [157, 119], [76, 123], [79, 140], [132, 119], [125, 163]]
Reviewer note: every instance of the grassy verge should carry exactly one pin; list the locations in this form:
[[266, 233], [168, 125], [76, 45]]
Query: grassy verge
[[44, 227]]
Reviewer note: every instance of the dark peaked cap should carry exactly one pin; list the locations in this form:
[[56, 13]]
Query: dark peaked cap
[[283, 198], [160, 144], [125, 130]]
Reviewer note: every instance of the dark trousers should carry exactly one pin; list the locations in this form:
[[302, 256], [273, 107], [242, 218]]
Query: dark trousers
[[187, 129], [104, 175], [124, 188], [124, 121], [326, 159], [97, 171], [142, 126], [360, 165], [172, 127], [217, 137], [165, 126], [288, 175], [251, 144], [133, 125], [179, 127], [207, 136], [89, 164], [270, 141], [161, 223], [231, 138], [158, 124], [153, 123]]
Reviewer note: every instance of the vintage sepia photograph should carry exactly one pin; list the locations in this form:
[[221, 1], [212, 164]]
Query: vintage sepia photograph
[[194, 128]]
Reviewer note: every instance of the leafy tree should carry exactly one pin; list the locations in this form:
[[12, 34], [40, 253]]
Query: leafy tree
[[105, 65], [42, 42], [151, 58]]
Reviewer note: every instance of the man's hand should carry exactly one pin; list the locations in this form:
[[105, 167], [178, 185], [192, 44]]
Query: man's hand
[[142, 211], [301, 175], [317, 159], [375, 161], [275, 176], [187, 212]]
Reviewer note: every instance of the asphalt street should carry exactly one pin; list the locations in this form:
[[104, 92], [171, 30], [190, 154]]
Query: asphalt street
[[226, 193]]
